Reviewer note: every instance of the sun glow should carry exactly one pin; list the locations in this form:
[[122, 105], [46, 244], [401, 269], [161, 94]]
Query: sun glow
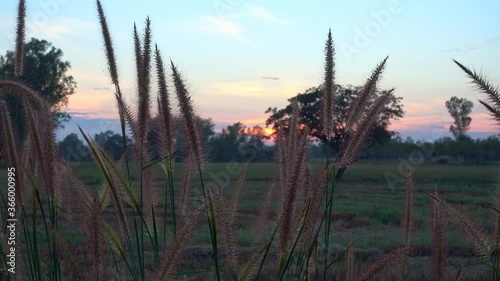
[[268, 131]]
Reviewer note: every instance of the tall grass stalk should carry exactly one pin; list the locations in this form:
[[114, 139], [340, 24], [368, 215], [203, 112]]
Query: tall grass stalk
[[192, 134]]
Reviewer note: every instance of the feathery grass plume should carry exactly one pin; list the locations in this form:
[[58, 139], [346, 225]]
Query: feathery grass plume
[[20, 35], [150, 197], [192, 134], [61, 193], [85, 199], [497, 220], [146, 56], [293, 128], [164, 109], [408, 218], [248, 270], [138, 58], [212, 212], [496, 234], [349, 272], [313, 262], [126, 191], [288, 206], [43, 142], [48, 138], [143, 63], [228, 218], [383, 264], [188, 116], [68, 254], [315, 197], [172, 256], [111, 61], [438, 241], [481, 244], [166, 145], [33, 132], [237, 192], [122, 185], [128, 116], [10, 146], [19, 88], [110, 180], [368, 89], [225, 218], [108, 46], [288, 254], [114, 241], [355, 143], [264, 210], [328, 86], [139, 72], [282, 156], [13, 86], [49, 142], [186, 184], [95, 243], [305, 182], [491, 91]]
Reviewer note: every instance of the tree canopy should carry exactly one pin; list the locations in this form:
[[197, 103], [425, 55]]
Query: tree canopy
[[44, 71], [310, 112], [73, 149], [240, 144], [459, 110]]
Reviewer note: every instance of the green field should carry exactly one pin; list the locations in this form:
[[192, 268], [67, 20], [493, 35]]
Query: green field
[[366, 206]]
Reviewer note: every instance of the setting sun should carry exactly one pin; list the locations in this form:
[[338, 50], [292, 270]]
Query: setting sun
[[268, 131]]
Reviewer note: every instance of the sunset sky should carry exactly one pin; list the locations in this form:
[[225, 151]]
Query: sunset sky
[[242, 56]]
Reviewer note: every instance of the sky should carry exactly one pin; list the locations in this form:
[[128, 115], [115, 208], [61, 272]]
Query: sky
[[242, 56]]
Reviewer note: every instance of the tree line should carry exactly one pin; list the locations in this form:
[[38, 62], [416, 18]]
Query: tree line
[[237, 142]]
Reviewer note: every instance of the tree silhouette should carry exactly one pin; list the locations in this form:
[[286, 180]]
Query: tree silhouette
[[310, 113], [459, 110], [44, 71]]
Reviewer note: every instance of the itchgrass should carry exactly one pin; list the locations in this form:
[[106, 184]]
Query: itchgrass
[[438, 242], [20, 36], [492, 104]]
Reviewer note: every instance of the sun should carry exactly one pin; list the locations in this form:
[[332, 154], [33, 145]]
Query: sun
[[268, 131]]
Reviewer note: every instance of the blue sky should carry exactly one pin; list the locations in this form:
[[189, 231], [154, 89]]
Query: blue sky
[[242, 56]]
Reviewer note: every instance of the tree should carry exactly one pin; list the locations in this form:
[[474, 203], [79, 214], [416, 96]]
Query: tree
[[73, 149], [459, 110], [111, 143], [239, 143], [205, 127], [44, 71], [310, 113]]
